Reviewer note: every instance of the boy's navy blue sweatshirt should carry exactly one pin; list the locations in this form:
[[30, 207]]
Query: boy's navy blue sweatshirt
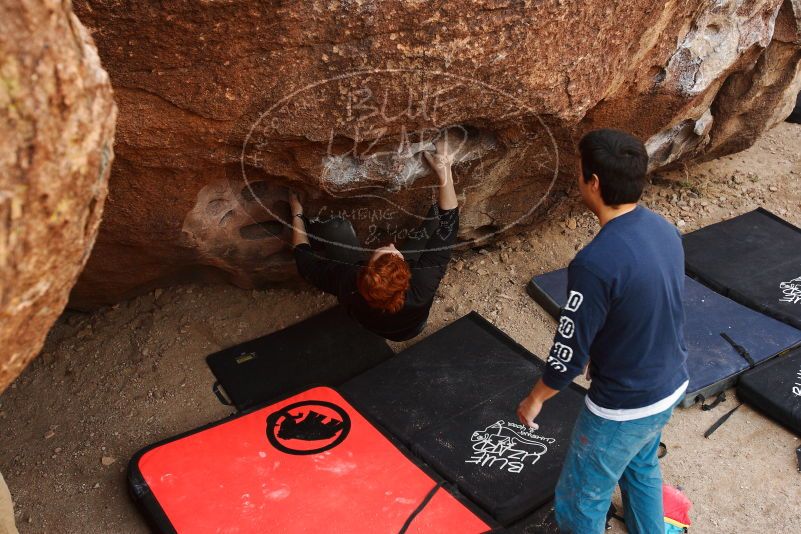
[[624, 314]]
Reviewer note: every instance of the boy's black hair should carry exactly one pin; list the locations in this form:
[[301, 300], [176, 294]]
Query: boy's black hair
[[620, 162]]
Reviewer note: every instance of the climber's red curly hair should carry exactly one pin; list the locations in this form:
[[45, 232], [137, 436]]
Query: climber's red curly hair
[[383, 282]]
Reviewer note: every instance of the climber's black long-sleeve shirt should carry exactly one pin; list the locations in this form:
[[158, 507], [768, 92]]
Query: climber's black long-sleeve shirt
[[339, 279]]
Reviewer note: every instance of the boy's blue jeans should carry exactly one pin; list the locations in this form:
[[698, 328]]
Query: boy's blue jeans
[[602, 454]]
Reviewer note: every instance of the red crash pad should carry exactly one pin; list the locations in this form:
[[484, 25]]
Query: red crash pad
[[309, 463]]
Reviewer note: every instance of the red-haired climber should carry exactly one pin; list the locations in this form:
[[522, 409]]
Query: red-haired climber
[[391, 292]]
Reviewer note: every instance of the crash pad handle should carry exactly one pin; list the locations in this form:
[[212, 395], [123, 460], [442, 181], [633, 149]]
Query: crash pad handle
[[721, 397], [218, 391]]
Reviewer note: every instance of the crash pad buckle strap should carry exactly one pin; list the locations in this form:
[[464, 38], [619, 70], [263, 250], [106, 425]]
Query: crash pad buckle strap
[[662, 451], [218, 392], [740, 349], [416, 511], [720, 421], [721, 397]]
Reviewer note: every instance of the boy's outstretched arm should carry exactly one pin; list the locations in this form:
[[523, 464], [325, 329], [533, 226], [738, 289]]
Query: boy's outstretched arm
[[582, 317]]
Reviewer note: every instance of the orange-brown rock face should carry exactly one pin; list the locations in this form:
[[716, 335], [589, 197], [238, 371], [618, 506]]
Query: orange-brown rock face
[[225, 105], [56, 134]]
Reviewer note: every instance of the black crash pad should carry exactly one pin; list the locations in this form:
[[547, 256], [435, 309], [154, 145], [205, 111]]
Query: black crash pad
[[775, 390], [754, 258], [713, 361], [325, 349], [452, 399]]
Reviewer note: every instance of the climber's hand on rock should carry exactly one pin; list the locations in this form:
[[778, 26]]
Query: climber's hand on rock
[[299, 235], [441, 162], [294, 204], [447, 144], [440, 166]]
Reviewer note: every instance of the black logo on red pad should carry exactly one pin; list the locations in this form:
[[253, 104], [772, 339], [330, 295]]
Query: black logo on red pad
[[308, 427]]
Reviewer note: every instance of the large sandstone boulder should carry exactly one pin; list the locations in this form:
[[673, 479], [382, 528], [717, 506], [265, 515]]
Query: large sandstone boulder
[[56, 133], [226, 104]]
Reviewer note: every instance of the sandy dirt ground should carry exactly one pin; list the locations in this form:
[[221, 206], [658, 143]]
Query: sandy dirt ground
[[111, 382]]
